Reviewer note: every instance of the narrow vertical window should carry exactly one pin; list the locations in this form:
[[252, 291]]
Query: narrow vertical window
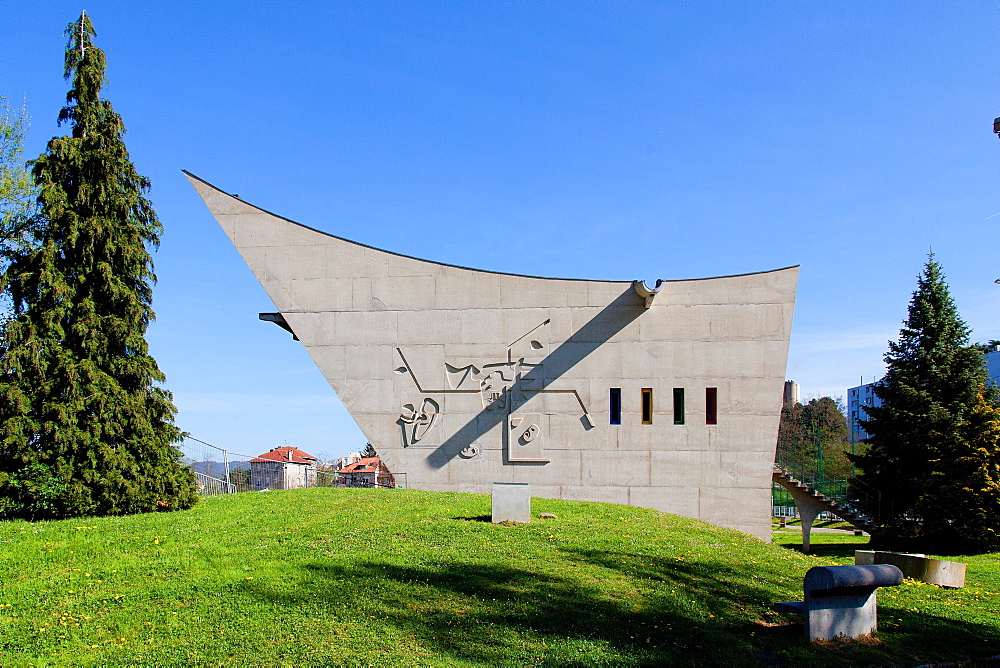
[[678, 405], [647, 405], [711, 405], [616, 405]]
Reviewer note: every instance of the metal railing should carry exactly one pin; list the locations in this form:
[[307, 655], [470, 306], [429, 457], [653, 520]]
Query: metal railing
[[222, 471], [792, 512], [851, 492]]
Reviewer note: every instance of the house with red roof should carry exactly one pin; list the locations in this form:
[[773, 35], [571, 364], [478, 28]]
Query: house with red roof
[[366, 472], [286, 467]]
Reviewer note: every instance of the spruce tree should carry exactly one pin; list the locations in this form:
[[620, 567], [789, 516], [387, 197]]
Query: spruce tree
[[85, 426], [935, 382]]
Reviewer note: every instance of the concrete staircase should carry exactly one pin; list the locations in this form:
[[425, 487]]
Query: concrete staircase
[[811, 503]]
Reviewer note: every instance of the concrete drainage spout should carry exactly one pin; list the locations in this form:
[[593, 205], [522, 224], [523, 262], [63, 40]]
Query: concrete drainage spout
[[646, 292]]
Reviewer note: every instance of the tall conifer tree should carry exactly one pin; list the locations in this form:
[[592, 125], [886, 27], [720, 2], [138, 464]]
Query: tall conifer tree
[[935, 387], [85, 427]]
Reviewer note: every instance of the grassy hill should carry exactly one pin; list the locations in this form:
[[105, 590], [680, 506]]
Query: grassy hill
[[377, 577]]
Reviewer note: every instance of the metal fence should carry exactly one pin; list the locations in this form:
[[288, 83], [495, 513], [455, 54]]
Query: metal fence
[[792, 512], [222, 471]]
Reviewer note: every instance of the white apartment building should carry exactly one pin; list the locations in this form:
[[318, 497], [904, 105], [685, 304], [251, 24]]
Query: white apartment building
[[864, 395]]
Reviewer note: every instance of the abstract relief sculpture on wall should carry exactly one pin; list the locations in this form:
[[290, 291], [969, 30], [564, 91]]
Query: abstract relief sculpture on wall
[[505, 388]]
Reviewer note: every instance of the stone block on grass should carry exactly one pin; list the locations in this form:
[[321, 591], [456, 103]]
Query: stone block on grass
[[940, 572], [511, 502]]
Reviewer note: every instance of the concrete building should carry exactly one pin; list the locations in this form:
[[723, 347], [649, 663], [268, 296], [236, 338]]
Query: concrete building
[[791, 393], [857, 398], [993, 364], [665, 396], [864, 395], [351, 458]]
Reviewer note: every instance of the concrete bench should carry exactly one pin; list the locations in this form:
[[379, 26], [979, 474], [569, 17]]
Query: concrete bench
[[840, 600]]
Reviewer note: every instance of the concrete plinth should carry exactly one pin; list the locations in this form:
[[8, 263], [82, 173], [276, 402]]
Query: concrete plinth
[[939, 572], [511, 502], [847, 616]]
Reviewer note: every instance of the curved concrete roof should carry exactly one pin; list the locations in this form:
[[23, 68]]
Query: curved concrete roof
[[201, 184]]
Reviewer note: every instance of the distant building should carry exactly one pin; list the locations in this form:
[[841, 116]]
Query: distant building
[[366, 472], [351, 458], [283, 468], [864, 395], [857, 398], [993, 364], [791, 394]]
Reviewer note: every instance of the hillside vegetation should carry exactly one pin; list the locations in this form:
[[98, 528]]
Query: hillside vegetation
[[378, 577]]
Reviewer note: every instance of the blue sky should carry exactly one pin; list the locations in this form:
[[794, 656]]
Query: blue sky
[[616, 140]]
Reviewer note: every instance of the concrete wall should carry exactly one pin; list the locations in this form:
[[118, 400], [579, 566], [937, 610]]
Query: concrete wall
[[461, 378]]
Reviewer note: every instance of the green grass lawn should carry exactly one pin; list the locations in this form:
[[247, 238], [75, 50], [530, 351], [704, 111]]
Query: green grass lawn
[[377, 577]]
